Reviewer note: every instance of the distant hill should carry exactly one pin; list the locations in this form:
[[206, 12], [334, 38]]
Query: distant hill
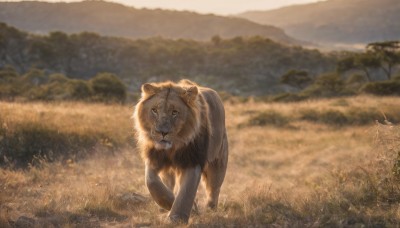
[[336, 21], [114, 19]]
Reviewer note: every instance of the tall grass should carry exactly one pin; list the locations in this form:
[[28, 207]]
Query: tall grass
[[61, 130], [303, 173]]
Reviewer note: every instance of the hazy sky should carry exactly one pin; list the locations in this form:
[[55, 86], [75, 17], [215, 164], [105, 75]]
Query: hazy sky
[[214, 6], [223, 7]]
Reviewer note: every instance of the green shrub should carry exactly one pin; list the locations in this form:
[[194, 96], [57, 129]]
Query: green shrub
[[296, 78], [333, 117], [108, 87], [271, 118], [396, 77], [340, 102], [354, 116], [383, 88], [78, 89], [362, 116], [326, 85], [309, 115], [60, 78], [330, 117], [35, 77], [288, 97], [8, 74], [356, 79]]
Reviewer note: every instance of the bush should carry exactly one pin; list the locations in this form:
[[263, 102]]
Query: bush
[[27, 141], [35, 77], [288, 97], [60, 78], [334, 117], [326, 85], [269, 118], [309, 115], [384, 88], [7, 74], [356, 79], [330, 117], [362, 117], [79, 89], [296, 78], [354, 116], [108, 88]]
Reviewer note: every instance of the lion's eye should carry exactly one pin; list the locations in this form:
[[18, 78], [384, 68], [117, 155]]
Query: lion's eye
[[154, 111], [175, 113]]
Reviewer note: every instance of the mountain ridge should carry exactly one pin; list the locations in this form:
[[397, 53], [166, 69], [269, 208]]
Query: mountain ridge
[[114, 19], [335, 21]]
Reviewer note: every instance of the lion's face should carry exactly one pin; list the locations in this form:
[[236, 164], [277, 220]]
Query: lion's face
[[166, 116]]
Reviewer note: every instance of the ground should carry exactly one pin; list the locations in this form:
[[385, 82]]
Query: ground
[[330, 162]]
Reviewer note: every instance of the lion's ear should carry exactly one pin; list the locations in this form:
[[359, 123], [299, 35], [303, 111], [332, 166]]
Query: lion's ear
[[149, 89], [190, 94]]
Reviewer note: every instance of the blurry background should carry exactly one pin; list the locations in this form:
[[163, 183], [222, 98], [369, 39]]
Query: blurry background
[[246, 53], [311, 91]]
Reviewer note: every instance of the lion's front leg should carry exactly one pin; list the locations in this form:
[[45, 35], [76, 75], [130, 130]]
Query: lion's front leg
[[188, 183], [160, 193]]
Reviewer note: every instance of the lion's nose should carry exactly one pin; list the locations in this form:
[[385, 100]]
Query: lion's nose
[[163, 132]]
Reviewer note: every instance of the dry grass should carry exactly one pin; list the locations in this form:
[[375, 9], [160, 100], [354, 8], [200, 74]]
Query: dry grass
[[63, 129], [301, 173]]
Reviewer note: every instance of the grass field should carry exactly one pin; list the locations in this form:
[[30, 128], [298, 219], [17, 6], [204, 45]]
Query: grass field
[[320, 163]]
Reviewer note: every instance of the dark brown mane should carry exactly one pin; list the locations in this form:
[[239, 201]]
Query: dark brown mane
[[188, 156]]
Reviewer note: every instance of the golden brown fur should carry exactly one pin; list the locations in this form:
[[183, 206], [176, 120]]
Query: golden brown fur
[[181, 135]]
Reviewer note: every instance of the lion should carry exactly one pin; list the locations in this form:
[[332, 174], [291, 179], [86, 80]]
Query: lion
[[182, 138]]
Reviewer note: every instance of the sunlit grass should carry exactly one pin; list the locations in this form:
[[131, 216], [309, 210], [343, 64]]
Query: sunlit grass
[[301, 173], [60, 130]]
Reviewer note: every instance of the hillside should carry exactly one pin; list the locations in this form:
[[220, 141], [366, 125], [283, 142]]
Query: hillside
[[114, 19], [336, 21], [239, 65]]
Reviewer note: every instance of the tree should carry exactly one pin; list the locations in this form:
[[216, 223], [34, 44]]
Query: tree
[[216, 40], [358, 61], [387, 53], [296, 78]]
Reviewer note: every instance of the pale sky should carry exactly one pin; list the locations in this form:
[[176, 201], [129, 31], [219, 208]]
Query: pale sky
[[222, 7], [214, 6]]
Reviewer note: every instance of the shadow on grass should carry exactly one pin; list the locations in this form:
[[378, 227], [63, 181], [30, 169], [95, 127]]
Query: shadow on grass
[[23, 144]]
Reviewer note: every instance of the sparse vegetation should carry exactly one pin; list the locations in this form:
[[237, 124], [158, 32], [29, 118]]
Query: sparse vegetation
[[271, 118], [385, 88], [356, 73], [336, 172], [38, 85]]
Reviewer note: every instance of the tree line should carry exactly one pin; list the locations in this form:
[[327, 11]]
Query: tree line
[[374, 70], [244, 66], [39, 85], [240, 65]]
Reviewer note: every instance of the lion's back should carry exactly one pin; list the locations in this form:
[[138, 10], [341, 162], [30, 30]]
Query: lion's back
[[216, 118]]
